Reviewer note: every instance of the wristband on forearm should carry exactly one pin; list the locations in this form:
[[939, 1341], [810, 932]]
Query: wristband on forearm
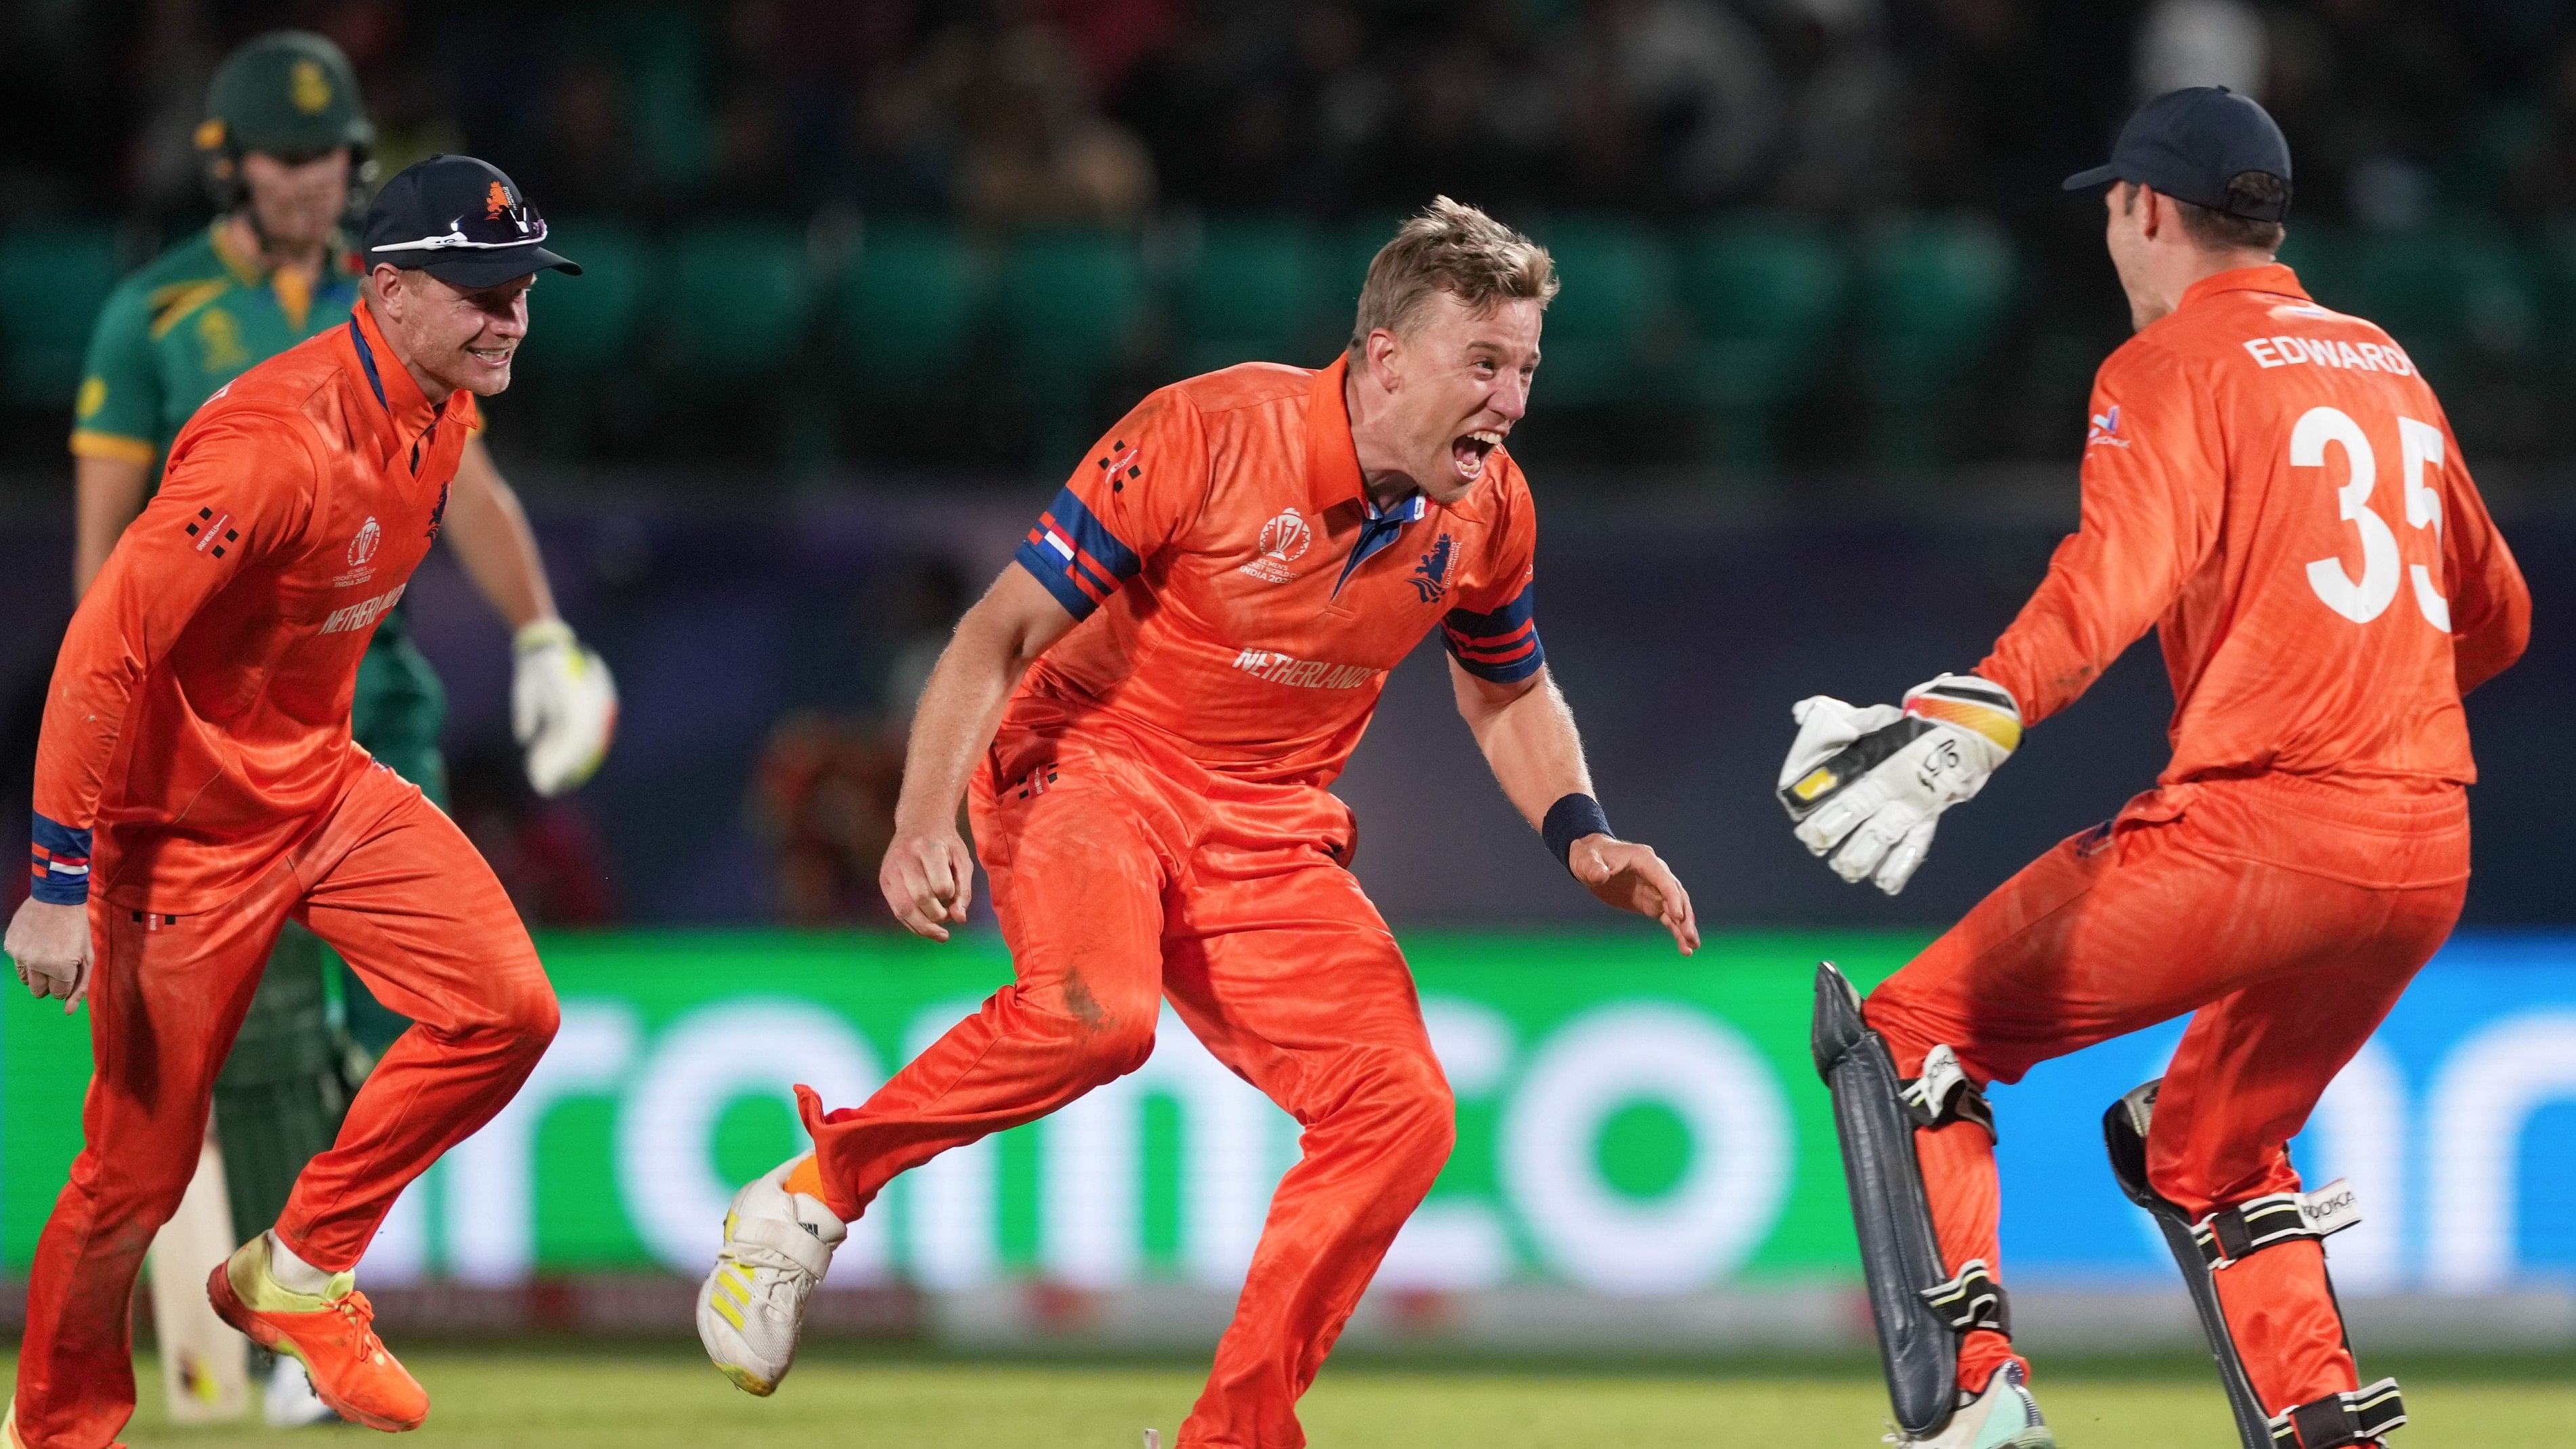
[[1569, 820], [59, 864]]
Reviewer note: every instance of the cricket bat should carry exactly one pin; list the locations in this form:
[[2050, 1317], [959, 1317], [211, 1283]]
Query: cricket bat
[[205, 1365]]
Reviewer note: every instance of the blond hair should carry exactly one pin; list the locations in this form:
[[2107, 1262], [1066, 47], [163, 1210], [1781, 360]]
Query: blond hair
[[1454, 248]]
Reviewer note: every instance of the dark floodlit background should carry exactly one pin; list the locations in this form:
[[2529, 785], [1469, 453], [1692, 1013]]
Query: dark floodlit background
[[866, 276]]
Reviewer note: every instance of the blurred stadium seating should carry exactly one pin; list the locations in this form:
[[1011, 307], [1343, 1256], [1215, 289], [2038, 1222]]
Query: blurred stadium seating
[[1819, 238]]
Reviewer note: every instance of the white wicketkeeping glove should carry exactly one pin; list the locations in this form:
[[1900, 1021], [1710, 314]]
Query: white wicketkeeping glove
[[563, 706], [1866, 787]]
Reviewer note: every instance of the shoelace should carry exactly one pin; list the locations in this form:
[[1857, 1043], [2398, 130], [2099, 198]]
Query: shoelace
[[792, 1276], [354, 1307]]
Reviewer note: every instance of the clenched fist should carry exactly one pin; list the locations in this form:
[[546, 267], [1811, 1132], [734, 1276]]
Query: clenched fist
[[51, 946]]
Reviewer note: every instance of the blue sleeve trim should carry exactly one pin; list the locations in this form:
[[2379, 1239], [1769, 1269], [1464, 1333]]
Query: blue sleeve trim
[[59, 864], [1076, 556], [1502, 646]]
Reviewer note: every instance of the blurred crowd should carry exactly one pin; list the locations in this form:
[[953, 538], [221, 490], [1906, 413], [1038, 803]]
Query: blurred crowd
[[1017, 112]]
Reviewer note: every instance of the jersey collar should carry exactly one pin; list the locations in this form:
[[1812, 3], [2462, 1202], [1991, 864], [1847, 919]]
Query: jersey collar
[[245, 270], [2269, 277], [1332, 459], [407, 410]]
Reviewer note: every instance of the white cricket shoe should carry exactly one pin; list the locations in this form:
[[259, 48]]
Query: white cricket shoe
[[777, 1245], [2005, 1416]]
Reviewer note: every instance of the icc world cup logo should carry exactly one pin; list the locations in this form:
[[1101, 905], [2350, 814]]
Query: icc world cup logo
[[1286, 537], [363, 547]]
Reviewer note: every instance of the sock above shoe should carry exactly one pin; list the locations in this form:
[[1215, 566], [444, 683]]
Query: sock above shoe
[[291, 1272], [807, 1177]]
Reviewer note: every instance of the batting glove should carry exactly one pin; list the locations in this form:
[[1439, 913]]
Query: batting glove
[[1866, 787], [563, 706]]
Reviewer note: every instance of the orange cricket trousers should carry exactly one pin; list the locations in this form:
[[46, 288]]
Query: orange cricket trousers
[[1125, 874], [396, 888], [2287, 914]]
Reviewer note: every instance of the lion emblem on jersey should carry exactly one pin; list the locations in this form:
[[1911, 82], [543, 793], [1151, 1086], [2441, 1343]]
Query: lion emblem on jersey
[[1431, 576]]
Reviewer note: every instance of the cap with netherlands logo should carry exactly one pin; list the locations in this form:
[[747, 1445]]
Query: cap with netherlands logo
[[461, 220]]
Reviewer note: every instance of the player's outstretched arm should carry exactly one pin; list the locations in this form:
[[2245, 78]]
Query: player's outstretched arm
[[929, 875], [563, 701], [1528, 736]]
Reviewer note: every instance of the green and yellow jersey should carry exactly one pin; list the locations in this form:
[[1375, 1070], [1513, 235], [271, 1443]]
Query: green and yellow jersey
[[194, 319]]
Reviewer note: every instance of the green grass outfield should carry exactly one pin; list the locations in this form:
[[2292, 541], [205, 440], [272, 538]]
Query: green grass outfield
[[647, 1398]]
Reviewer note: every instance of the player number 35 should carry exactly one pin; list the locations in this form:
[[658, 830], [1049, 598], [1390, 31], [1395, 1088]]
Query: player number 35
[[2364, 599]]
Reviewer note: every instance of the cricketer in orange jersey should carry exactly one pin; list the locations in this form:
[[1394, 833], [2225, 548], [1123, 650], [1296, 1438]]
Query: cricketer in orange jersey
[[2272, 486], [1205, 616], [197, 733]]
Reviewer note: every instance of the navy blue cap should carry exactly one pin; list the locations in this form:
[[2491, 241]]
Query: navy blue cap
[[2188, 144], [460, 220]]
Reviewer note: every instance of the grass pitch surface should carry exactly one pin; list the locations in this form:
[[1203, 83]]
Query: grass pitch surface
[[546, 1398]]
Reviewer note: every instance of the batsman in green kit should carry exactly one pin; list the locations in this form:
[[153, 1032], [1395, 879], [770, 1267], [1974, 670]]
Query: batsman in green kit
[[285, 146]]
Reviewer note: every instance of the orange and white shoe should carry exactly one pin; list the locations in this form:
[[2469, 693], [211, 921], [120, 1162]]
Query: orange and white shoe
[[332, 1334]]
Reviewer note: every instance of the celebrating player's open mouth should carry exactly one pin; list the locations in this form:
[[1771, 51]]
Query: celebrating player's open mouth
[[1471, 450]]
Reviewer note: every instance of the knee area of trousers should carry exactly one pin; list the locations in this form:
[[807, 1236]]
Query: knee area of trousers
[[1424, 1111], [1108, 1047], [1887, 1012], [526, 1018]]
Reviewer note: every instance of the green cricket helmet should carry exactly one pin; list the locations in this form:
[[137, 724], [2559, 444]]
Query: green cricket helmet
[[292, 94]]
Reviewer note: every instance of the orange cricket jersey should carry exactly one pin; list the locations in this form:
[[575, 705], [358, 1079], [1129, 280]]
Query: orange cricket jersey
[[1238, 594], [2273, 486], [198, 720]]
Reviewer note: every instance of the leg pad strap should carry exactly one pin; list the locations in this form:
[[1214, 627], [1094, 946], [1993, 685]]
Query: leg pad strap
[[1943, 1094], [1972, 1300], [2359, 1417], [2232, 1233]]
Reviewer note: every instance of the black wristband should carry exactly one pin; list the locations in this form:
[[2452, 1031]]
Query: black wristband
[[1569, 820]]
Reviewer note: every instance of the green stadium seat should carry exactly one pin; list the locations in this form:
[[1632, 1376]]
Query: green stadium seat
[[2453, 298], [1071, 302], [1612, 312], [1933, 291], [1252, 292], [53, 280], [909, 303], [1762, 295], [2554, 258], [740, 298], [1355, 244], [585, 326]]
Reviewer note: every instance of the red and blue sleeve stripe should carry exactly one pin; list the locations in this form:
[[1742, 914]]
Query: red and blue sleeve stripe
[[59, 864], [1076, 556], [1502, 646]]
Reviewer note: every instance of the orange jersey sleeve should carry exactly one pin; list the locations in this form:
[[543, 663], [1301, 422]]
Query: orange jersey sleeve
[[237, 490], [1138, 489], [1493, 629], [2154, 481], [2489, 603]]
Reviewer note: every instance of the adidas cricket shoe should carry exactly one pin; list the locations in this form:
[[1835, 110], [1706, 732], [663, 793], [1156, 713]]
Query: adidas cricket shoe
[[777, 1245], [2005, 1416], [332, 1333]]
